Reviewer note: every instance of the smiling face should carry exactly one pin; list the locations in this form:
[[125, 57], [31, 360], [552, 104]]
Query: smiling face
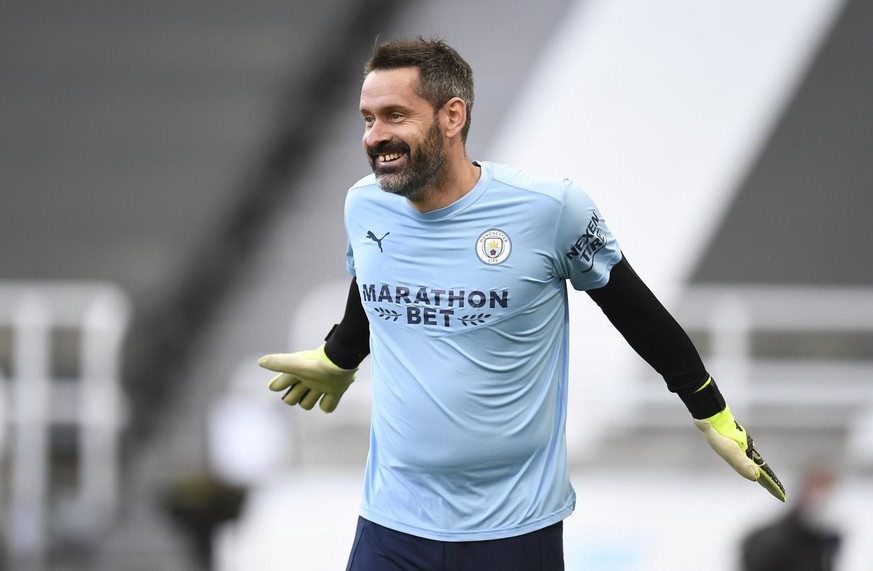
[[403, 138]]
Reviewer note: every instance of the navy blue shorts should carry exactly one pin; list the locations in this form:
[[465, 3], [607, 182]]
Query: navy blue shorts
[[377, 548]]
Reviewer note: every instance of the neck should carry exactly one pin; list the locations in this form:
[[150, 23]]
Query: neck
[[455, 180]]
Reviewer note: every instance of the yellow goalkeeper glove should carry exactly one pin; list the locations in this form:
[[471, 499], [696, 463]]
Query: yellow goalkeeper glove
[[725, 435], [308, 377]]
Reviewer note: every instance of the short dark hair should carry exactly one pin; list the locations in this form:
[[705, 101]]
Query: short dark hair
[[442, 72]]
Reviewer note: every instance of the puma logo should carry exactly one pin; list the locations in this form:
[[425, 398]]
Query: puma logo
[[378, 241]]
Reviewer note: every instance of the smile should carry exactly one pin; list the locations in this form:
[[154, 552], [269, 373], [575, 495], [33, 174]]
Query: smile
[[390, 157]]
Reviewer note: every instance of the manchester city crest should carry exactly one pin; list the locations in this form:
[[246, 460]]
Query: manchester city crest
[[493, 247]]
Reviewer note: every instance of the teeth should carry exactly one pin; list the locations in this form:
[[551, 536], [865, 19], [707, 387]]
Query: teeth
[[389, 157]]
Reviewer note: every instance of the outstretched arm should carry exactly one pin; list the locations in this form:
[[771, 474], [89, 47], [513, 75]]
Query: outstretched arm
[[659, 339]]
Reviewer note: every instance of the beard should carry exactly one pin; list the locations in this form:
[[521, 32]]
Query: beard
[[423, 166]]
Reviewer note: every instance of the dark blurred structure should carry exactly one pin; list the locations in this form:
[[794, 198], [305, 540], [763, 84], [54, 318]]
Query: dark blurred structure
[[146, 146], [801, 215], [806, 539]]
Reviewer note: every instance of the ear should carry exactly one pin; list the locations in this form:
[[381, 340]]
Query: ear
[[455, 112]]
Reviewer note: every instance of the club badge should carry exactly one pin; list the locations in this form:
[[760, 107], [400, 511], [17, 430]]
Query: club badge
[[493, 247]]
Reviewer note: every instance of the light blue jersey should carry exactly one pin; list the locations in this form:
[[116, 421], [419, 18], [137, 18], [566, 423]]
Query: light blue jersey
[[468, 318]]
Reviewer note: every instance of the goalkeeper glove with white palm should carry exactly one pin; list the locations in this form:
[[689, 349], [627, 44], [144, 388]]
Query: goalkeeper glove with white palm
[[730, 441], [308, 377]]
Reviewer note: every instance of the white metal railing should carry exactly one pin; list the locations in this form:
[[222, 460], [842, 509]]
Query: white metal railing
[[32, 401], [819, 390], [732, 314]]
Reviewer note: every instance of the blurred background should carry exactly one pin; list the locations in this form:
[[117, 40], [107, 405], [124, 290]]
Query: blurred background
[[172, 178]]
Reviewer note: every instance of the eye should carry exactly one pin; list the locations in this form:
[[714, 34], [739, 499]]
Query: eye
[[396, 117], [368, 120]]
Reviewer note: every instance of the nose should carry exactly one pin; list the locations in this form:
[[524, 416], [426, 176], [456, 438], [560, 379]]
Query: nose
[[375, 134]]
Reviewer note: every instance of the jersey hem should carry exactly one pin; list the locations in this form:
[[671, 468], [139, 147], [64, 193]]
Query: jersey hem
[[468, 535]]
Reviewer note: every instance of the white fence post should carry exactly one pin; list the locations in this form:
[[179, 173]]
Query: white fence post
[[730, 326], [102, 409], [30, 400]]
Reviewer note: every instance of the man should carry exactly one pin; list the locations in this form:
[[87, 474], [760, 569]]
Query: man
[[459, 294], [807, 538]]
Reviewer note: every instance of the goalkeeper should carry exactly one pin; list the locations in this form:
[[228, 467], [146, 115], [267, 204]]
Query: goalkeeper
[[459, 294]]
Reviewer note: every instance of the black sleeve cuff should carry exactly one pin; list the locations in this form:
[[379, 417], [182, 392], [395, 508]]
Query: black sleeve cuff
[[705, 402], [348, 342], [339, 353]]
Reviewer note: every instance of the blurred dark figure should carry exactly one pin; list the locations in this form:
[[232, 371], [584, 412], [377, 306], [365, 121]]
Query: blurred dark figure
[[198, 504], [806, 539]]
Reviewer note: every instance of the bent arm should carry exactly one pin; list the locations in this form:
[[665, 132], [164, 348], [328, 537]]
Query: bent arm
[[658, 338]]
